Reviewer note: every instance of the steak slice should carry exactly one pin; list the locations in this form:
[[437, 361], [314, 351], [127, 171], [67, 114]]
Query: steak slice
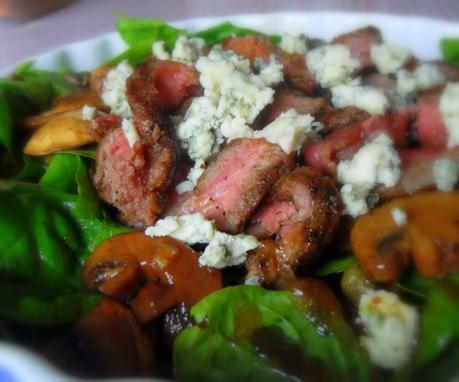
[[236, 181], [303, 211], [359, 43], [135, 180]]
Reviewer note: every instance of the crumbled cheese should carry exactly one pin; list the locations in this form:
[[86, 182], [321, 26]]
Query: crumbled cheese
[[270, 73], [233, 98], [290, 130], [191, 229], [446, 174], [159, 50], [130, 132], [242, 96], [195, 130], [233, 128], [389, 57], [192, 178], [423, 77], [449, 108], [227, 250], [114, 89], [187, 50], [294, 43], [88, 112], [331, 64], [375, 163], [398, 216], [223, 250], [366, 98], [391, 326]]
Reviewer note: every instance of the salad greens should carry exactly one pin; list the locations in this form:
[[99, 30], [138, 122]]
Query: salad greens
[[450, 50], [51, 219], [47, 230], [248, 333], [140, 34]]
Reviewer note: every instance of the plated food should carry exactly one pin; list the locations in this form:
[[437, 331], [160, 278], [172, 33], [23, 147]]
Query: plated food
[[229, 205]]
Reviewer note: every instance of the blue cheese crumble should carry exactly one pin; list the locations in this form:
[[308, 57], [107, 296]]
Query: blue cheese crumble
[[291, 43], [223, 250], [388, 57], [377, 162], [391, 326], [114, 89], [331, 64], [446, 174], [367, 98], [449, 109], [423, 77]]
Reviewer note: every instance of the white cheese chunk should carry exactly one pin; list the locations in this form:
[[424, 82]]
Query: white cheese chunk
[[270, 73], [130, 132], [391, 327], [187, 50], [388, 57], [446, 174], [377, 162], [88, 112], [192, 178], [114, 89], [367, 98], [331, 64], [233, 128], [423, 77], [195, 131], [191, 229], [399, 216], [449, 109], [233, 98], [159, 51], [227, 250], [290, 131], [294, 43], [223, 250]]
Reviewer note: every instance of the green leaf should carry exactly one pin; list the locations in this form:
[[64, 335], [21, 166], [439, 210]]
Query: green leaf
[[140, 34], [439, 327], [247, 333], [6, 122], [334, 266], [450, 50], [47, 231], [219, 32], [135, 31]]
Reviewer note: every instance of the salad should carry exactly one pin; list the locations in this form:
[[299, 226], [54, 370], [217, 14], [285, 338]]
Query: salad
[[225, 205]]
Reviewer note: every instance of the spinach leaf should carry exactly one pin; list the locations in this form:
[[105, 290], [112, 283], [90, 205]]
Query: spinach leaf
[[450, 50], [219, 32], [135, 31], [331, 267], [247, 333], [47, 231], [140, 34]]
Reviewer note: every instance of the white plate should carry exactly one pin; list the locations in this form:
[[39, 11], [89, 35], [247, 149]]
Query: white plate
[[421, 35]]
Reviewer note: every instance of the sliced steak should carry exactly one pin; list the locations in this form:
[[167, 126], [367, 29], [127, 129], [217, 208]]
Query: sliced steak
[[417, 170], [429, 126], [295, 68], [325, 154], [236, 181], [359, 43], [333, 118], [135, 180], [174, 81], [286, 99], [303, 211]]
